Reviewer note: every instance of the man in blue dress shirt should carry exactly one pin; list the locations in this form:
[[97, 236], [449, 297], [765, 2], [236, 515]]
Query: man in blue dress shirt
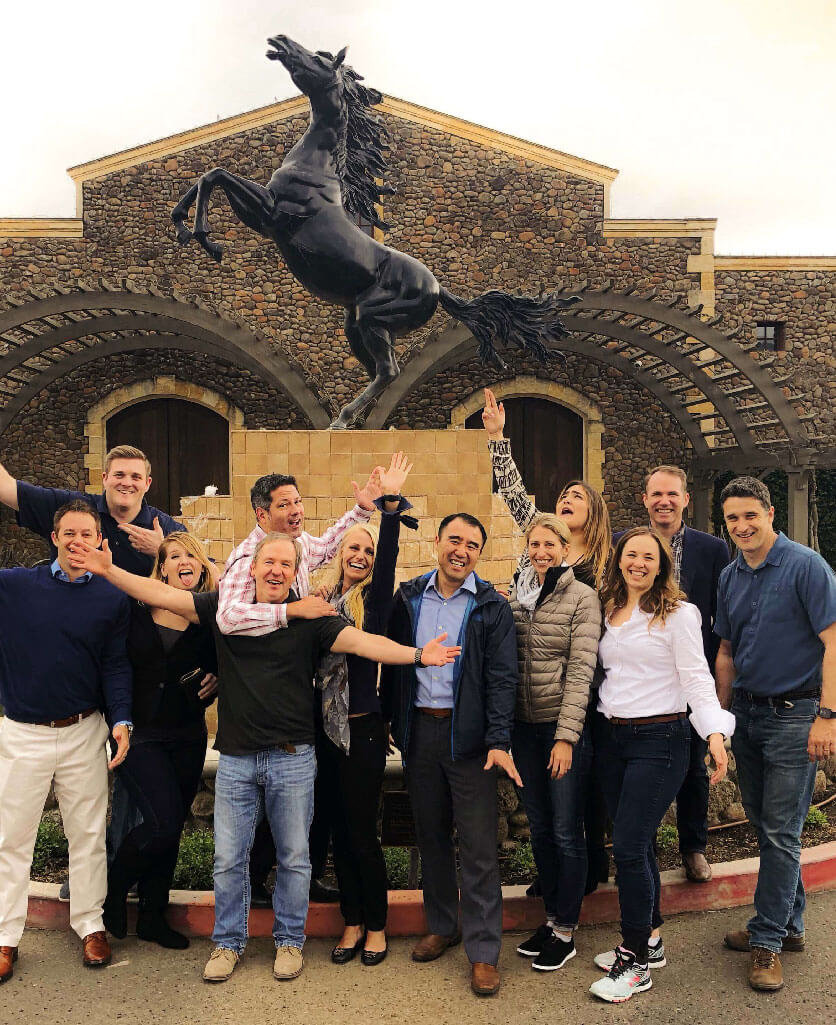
[[63, 664], [776, 669], [452, 725]]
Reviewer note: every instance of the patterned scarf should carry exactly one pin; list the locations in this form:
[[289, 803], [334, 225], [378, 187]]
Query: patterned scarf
[[528, 588], [332, 679]]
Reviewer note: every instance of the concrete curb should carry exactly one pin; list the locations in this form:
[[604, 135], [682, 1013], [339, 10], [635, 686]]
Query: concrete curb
[[732, 885]]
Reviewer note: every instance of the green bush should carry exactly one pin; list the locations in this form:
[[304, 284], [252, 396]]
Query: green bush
[[816, 819], [667, 837], [521, 859], [194, 862], [51, 850], [397, 867]]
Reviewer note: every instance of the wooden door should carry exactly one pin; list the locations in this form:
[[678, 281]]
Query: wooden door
[[187, 444], [547, 445]]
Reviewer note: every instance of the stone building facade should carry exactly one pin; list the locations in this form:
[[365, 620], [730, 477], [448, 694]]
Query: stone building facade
[[108, 303]]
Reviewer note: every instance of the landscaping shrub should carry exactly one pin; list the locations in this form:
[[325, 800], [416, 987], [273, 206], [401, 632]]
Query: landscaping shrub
[[51, 850], [816, 819], [521, 860], [667, 837], [194, 862], [397, 867]]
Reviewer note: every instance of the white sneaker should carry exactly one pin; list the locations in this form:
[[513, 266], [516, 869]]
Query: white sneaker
[[623, 980], [221, 965], [289, 963], [655, 958]]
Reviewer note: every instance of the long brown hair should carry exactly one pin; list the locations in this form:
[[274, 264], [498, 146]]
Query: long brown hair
[[664, 595], [597, 533], [194, 547]]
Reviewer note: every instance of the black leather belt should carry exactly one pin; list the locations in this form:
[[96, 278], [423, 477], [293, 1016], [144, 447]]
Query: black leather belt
[[778, 699]]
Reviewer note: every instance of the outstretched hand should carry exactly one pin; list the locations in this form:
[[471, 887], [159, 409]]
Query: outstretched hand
[[434, 653], [493, 416], [85, 557], [392, 480], [365, 497]]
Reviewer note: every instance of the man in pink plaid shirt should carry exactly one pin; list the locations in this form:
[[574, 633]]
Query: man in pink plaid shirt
[[278, 506]]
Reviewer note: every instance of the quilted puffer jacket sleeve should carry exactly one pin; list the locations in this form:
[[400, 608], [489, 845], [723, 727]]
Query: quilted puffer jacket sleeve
[[583, 654]]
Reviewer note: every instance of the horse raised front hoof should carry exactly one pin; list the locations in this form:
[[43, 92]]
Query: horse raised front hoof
[[212, 248], [184, 236]]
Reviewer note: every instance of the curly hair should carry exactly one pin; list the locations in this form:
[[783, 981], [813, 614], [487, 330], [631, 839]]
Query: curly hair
[[664, 594]]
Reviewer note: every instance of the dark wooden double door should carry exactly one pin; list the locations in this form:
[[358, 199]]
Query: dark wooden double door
[[547, 445], [187, 444]]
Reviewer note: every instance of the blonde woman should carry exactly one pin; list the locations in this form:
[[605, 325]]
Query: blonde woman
[[558, 622], [360, 584], [655, 668], [173, 663]]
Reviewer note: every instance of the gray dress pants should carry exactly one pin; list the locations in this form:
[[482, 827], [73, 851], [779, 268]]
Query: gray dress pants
[[444, 793]]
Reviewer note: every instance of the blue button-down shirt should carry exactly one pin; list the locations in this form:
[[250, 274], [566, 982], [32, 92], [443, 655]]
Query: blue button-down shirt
[[59, 574], [440, 615], [773, 615]]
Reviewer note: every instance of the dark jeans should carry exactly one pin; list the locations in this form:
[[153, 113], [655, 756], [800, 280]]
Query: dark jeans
[[776, 784], [642, 768], [444, 793], [162, 777], [692, 800], [358, 857], [595, 815], [555, 816]]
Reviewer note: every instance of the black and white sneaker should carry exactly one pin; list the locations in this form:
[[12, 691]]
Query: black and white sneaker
[[535, 943], [555, 953], [655, 957]]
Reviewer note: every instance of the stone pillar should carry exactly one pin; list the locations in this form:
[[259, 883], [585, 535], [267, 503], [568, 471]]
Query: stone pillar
[[701, 488], [798, 512]]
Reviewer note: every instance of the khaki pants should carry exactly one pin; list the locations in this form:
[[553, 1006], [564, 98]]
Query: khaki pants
[[31, 757]]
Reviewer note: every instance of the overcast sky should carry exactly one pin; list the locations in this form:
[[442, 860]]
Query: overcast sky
[[716, 108]]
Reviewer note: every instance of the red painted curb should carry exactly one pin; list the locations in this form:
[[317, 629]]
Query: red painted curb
[[732, 885]]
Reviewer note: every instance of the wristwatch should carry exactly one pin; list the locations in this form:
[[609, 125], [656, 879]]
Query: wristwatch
[[826, 713], [419, 654]]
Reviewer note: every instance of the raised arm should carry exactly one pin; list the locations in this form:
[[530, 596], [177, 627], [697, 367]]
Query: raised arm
[[382, 587], [8, 489], [323, 549], [508, 478], [151, 592], [351, 641]]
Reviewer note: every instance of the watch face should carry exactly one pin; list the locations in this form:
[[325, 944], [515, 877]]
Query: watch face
[[827, 713]]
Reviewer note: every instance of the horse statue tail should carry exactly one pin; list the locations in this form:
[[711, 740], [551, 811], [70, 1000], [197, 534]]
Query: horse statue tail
[[498, 317]]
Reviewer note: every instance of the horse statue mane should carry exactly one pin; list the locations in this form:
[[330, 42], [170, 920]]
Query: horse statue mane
[[360, 153]]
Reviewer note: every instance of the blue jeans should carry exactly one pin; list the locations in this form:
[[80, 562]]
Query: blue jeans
[[776, 784], [246, 786], [555, 810], [642, 768]]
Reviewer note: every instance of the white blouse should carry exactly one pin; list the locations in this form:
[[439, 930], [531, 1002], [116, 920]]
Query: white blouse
[[659, 671]]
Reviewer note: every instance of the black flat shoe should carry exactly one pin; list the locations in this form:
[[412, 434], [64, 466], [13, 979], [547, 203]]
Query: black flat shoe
[[373, 957], [342, 955]]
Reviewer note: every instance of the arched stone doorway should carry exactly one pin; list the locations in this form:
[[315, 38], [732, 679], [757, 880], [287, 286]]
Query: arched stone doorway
[[547, 443], [186, 443]]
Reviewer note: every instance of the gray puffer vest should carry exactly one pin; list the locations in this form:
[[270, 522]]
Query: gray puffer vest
[[557, 648]]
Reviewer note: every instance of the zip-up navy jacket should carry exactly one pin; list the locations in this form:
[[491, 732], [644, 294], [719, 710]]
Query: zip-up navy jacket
[[485, 677]]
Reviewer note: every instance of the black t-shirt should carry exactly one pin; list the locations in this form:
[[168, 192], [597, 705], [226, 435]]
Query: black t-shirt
[[266, 690]]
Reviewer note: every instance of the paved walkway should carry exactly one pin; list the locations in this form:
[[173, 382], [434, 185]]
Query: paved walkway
[[703, 984]]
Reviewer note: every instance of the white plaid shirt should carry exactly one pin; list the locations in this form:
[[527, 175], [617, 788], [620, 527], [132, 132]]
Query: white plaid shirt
[[239, 612]]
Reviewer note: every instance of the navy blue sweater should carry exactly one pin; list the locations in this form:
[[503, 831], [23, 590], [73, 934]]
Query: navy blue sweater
[[62, 647]]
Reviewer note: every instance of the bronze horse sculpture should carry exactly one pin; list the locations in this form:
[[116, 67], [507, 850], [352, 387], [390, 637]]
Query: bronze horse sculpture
[[333, 174]]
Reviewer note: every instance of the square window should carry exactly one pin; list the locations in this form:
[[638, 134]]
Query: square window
[[770, 336]]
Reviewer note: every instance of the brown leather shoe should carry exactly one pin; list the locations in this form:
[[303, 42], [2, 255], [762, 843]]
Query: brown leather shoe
[[793, 943], [432, 946], [765, 971], [96, 952], [8, 956], [697, 868], [484, 979]]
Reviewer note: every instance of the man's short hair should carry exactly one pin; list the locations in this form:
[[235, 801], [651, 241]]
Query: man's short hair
[[276, 535], [77, 505], [127, 452], [265, 486], [471, 521], [676, 471], [747, 487]]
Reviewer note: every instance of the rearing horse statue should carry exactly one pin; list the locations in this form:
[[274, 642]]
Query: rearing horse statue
[[334, 171]]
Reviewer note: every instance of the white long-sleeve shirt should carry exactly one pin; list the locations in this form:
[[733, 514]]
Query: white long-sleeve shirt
[[238, 611], [660, 671]]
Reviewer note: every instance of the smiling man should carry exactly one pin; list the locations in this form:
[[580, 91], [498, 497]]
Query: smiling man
[[776, 668], [453, 728], [133, 528], [63, 664], [265, 739]]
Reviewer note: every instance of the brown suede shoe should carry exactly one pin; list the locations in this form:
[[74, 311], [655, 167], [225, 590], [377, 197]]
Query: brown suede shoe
[[793, 943], [697, 869], [8, 956], [96, 952], [765, 970], [432, 946], [484, 979]]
